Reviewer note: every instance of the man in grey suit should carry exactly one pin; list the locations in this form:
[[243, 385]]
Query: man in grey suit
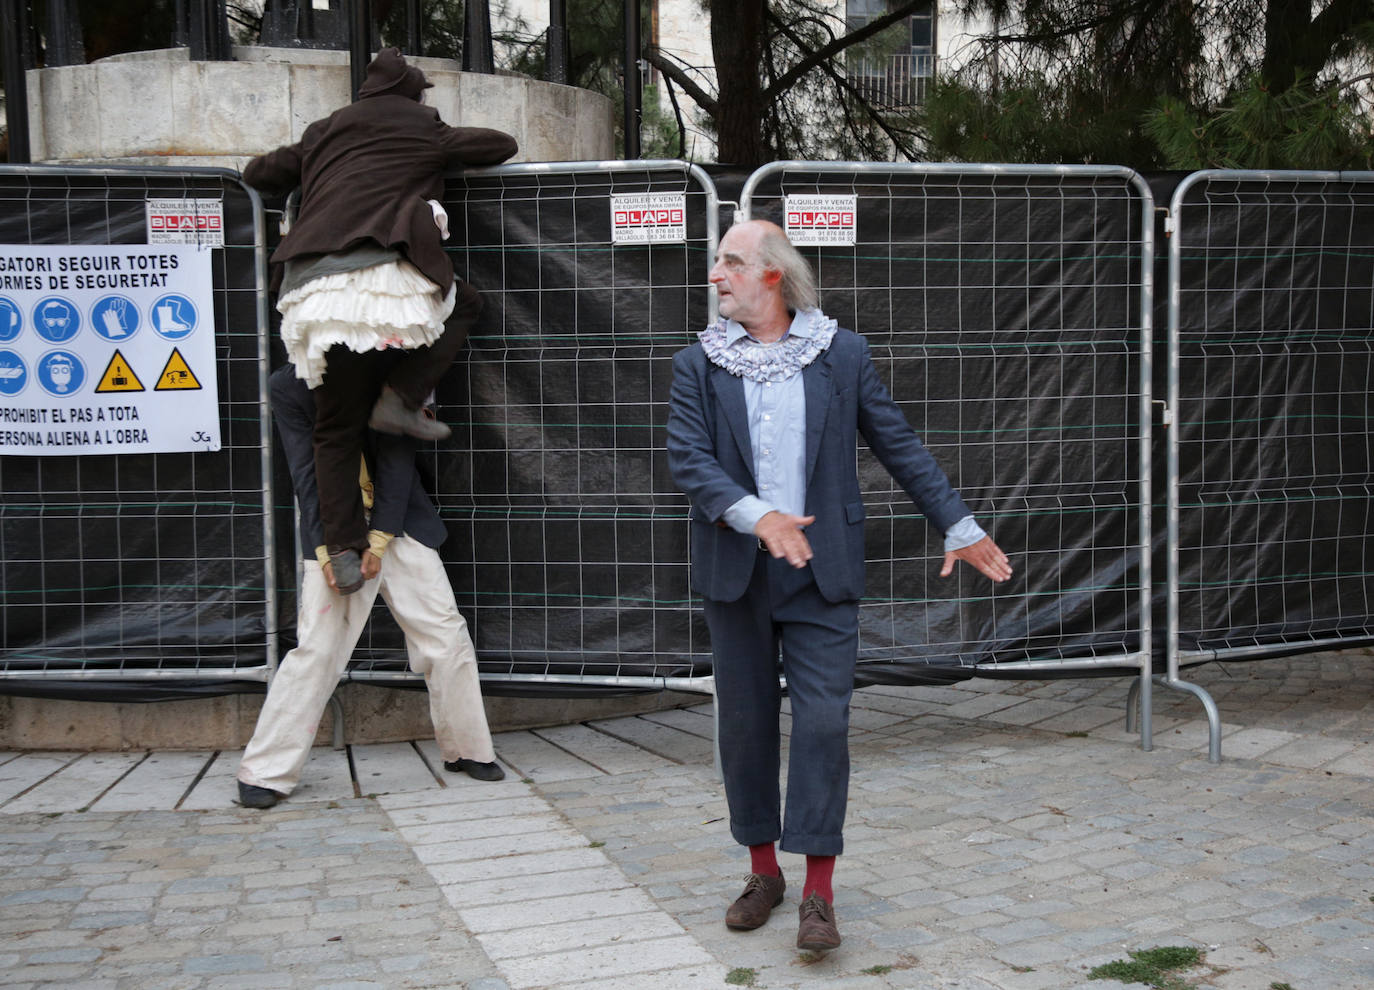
[[401, 564], [762, 432]]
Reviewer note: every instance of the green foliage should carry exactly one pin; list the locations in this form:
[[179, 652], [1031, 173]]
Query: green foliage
[[1299, 128], [741, 976], [1154, 967], [1028, 119], [1160, 84], [1032, 120]]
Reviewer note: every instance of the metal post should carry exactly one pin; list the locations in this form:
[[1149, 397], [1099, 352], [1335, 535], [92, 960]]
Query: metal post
[[414, 42], [359, 41], [64, 45], [13, 32], [478, 55], [209, 31], [633, 81], [556, 56]]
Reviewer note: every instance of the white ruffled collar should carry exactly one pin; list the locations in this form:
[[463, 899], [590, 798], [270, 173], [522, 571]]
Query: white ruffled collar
[[729, 346]]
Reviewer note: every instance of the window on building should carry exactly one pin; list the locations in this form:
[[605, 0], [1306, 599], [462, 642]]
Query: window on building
[[894, 67]]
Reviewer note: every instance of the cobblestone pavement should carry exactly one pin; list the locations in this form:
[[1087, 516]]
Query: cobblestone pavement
[[322, 895], [1002, 835]]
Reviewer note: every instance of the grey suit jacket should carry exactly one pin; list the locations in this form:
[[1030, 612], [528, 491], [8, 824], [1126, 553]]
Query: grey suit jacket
[[400, 503], [711, 460]]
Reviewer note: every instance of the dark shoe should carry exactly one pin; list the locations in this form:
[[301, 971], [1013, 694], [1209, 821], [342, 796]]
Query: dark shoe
[[347, 565], [817, 931], [479, 771], [751, 909], [390, 415], [252, 796]]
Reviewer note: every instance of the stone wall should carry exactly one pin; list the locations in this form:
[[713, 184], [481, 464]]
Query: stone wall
[[370, 715], [159, 107]]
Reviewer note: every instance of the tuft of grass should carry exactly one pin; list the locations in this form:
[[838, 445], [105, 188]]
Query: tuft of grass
[[1280, 986], [741, 976], [878, 970], [1154, 967]]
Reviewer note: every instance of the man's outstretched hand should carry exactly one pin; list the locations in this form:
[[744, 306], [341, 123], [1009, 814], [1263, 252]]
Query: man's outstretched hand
[[782, 534], [984, 555]]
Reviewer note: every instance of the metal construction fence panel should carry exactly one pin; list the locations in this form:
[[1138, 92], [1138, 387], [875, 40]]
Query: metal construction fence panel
[[1009, 310], [1271, 346], [568, 539], [148, 566]]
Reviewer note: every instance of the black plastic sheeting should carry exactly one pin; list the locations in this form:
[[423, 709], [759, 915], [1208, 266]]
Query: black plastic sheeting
[[139, 562], [1276, 363], [1002, 313]]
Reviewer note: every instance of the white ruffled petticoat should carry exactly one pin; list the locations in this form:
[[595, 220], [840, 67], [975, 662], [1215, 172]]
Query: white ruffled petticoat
[[386, 305]]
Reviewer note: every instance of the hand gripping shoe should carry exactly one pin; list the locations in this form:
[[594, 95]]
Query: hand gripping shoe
[[348, 570]]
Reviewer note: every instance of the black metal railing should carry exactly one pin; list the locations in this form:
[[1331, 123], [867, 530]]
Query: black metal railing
[[203, 27]]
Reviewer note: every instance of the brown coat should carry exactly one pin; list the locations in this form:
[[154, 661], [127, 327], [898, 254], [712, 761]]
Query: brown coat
[[365, 172]]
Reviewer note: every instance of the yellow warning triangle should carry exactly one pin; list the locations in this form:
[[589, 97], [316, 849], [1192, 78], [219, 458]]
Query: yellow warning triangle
[[119, 377], [176, 374]]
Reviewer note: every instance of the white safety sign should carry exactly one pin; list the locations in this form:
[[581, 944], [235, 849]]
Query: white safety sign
[[648, 218], [107, 350], [186, 221], [813, 220]]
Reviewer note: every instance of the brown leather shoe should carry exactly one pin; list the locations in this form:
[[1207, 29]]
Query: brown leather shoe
[[751, 909], [817, 931]]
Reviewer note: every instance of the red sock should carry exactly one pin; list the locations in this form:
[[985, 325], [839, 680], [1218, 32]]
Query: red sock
[[763, 859], [819, 871]]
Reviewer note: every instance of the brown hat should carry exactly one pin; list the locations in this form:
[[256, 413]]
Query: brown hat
[[388, 75]]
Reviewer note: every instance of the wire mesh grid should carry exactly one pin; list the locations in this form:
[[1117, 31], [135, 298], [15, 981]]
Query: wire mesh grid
[[151, 565], [1006, 310], [567, 543], [1272, 336]]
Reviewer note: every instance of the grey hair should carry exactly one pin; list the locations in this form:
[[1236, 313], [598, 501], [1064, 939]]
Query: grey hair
[[798, 281]]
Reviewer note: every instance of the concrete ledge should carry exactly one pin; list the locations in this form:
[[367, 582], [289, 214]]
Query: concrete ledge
[[160, 107], [371, 715]]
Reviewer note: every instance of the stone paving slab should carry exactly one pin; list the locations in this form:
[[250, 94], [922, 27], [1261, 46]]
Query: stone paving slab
[[1009, 850], [167, 899]]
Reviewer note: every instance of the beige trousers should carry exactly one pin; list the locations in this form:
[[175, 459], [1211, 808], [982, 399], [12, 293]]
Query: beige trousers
[[416, 589]]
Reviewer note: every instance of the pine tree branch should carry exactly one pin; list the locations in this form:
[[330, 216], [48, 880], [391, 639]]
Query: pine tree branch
[[677, 115], [820, 56], [826, 66], [656, 57]]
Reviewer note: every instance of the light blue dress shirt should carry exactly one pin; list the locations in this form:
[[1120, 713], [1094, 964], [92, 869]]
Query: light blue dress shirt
[[777, 435]]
